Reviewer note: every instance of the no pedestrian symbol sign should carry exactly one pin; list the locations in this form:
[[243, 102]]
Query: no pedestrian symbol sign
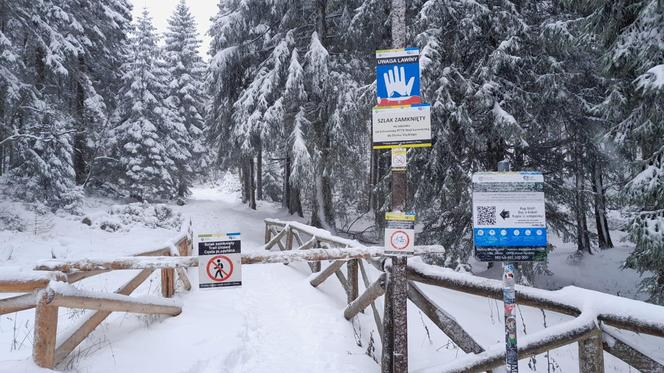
[[509, 222], [219, 260], [399, 233]]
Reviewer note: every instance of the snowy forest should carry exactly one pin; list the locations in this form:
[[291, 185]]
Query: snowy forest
[[95, 102]]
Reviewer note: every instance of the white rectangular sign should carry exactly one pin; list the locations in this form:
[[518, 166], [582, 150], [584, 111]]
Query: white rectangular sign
[[399, 233], [401, 126], [219, 260], [509, 209]]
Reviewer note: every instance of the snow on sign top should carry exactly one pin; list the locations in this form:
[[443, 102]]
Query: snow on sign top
[[508, 209], [398, 76]]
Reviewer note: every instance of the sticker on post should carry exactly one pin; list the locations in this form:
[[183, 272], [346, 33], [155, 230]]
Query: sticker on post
[[219, 260], [399, 159], [399, 233]]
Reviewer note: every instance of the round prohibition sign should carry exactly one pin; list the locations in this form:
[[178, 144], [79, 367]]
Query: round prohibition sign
[[219, 268], [399, 240]]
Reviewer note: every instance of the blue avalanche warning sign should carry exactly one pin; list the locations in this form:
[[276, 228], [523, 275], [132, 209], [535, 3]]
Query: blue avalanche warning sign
[[398, 76]]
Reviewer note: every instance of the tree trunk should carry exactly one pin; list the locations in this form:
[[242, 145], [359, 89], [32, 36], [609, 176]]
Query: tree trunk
[[582, 237], [285, 197], [603, 234], [259, 170], [243, 184], [252, 184], [80, 148]]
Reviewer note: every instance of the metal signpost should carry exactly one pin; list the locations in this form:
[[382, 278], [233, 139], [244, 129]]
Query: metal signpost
[[219, 261], [509, 225]]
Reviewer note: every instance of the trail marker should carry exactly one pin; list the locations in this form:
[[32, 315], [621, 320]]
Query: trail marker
[[219, 260], [399, 233], [509, 223]]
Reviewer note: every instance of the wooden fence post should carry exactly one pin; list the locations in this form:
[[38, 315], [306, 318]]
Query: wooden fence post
[[168, 282], [268, 233], [591, 353], [353, 290], [46, 327]]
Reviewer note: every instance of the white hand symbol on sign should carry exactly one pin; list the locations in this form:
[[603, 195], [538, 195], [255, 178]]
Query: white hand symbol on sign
[[395, 81]]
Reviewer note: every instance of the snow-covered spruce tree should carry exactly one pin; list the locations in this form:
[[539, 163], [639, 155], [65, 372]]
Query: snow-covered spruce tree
[[54, 99], [633, 34], [36, 126], [244, 36], [147, 136], [186, 91]]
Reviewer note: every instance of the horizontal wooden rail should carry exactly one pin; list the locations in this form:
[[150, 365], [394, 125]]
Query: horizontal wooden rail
[[63, 295], [18, 303], [24, 282], [533, 344], [638, 316], [157, 262]]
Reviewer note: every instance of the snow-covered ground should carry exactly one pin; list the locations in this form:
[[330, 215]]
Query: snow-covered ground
[[276, 322]]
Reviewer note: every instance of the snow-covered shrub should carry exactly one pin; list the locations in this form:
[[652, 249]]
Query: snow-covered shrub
[[10, 221], [149, 215]]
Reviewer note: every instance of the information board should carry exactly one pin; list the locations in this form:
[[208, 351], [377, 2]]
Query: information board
[[401, 126], [509, 222], [219, 260]]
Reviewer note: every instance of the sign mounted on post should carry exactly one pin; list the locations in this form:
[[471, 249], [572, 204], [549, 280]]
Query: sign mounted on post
[[401, 126], [399, 159], [399, 233], [398, 76], [219, 260], [509, 223]]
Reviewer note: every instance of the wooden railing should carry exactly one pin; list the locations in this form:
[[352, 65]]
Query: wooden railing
[[588, 329], [48, 290], [296, 242]]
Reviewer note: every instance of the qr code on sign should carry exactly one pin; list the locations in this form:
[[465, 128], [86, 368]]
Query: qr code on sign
[[486, 215]]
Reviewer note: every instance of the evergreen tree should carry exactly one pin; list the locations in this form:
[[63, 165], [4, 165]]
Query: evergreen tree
[[633, 35], [186, 91], [148, 135]]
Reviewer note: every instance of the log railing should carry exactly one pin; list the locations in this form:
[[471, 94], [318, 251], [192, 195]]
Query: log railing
[[47, 290], [589, 329]]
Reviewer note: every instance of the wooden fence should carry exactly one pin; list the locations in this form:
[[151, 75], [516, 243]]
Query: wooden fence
[[298, 242], [588, 329], [47, 291]]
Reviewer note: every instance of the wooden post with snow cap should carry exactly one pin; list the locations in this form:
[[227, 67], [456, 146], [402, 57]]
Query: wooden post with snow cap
[[46, 327], [395, 321]]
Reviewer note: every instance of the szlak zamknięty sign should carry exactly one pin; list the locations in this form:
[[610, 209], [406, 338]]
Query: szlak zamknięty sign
[[401, 126], [219, 260], [509, 222], [398, 76]]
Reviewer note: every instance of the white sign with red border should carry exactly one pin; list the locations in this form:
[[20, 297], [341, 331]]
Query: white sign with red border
[[219, 260], [399, 233]]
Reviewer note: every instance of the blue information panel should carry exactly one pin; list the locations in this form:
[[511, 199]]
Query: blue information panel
[[398, 76], [509, 221]]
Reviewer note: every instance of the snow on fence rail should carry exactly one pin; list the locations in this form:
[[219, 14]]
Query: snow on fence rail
[[592, 309], [48, 291]]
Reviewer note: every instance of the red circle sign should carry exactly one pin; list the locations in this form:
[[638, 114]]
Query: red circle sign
[[399, 240], [219, 268]]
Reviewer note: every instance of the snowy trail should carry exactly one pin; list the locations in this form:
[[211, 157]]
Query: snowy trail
[[276, 322]]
